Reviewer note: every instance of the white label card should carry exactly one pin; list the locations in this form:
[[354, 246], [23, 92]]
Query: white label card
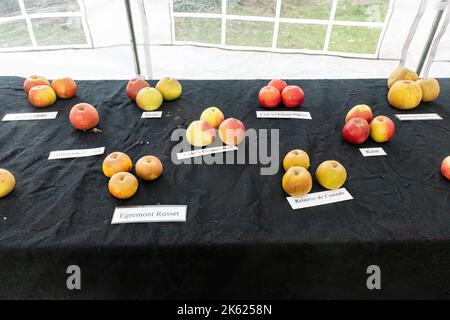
[[78, 153], [152, 114], [30, 116], [319, 198], [418, 116], [143, 214], [284, 114], [204, 152], [372, 152]]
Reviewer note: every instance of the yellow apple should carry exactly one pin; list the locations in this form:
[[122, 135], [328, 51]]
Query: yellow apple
[[331, 174], [405, 94], [200, 133], [297, 181], [123, 185], [430, 89], [170, 88], [7, 182], [401, 73], [149, 99], [213, 116], [149, 168], [296, 158]]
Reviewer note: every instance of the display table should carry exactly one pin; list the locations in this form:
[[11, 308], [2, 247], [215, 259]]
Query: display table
[[241, 238]]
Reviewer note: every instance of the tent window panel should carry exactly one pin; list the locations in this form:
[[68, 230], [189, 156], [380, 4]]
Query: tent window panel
[[197, 6], [46, 6], [306, 9], [249, 33], [58, 31], [14, 34], [362, 10], [354, 39], [260, 8], [9, 8], [301, 36], [206, 30]]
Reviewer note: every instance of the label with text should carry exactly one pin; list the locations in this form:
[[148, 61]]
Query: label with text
[[284, 114], [146, 214], [418, 116], [30, 116], [319, 198], [151, 114], [77, 153], [204, 152], [372, 152]]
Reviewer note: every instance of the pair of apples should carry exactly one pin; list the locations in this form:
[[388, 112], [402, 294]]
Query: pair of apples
[[360, 124], [41, 93], [297, 180], [276, 91], [122, 184]]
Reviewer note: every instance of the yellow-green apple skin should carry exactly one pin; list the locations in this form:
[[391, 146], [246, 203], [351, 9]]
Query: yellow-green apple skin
[[430, 89], [445, 167], [405, 95], [7, 182], [296, 158], [200, 133], [213, 116], [382, 129], [41, 96], [331, 174], [149, 99], [401, 73], [170, 88], [360, 111], [297, 181]]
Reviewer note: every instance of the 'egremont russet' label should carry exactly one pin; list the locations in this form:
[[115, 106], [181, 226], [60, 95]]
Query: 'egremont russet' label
[[204, 152], [146, 214], [284, 114], [319, 198], [418, 116], [372, 152], [151, 114], [77, 153], [30, 116]]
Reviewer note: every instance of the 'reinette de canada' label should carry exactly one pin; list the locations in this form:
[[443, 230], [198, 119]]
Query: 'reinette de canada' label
[[77, 153], [145, 214], [319, 198], [204, 152], [151, 114], [372, 152], [418, 116], [30, 116], [284, 114]]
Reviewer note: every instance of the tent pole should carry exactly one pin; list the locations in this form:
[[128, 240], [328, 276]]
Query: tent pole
[[434, 27], [133, 38]]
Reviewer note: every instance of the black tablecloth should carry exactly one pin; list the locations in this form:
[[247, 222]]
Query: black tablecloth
[[241, 238]]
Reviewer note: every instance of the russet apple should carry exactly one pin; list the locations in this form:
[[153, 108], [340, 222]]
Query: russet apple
[[356, 131], [382, 129], [360, 111], [445, 167], [32, 81], [430, 89], [65, 88], [149, 99], [331, 174], [269, 97], [297, 181], [278, 83], [296, 158], [41, 96], [213, 116], [200, 133], [116, 162], [232, 131], [401, 73], [134, 86], [83, 116], [148, 168], [123, 185], [405, 94], [7, 182], [170, 88], [292, 96]]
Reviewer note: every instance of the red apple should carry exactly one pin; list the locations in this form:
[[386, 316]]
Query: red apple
[[445, 167], [356, 131], [382, 129], [293, 96], [133, 87], [83, 116], [360, 111], [269, 97], [33, 81], [278, 83], [65, 88]]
